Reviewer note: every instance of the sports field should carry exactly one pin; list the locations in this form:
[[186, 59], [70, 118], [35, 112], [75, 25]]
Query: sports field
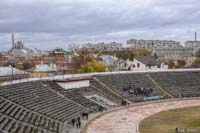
[[188, 119]]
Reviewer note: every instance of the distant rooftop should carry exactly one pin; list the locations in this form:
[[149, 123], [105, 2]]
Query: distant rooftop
[[8, 71], [45, 68], [147, 60]]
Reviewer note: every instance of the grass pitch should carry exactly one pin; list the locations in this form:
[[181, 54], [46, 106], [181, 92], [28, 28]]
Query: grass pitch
[[167, 121]]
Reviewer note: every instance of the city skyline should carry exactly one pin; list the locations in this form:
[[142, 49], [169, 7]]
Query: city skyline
[[58, 23]]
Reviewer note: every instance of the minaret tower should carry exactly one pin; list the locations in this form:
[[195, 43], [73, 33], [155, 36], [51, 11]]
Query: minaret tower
[[13, 41], [195, 36]]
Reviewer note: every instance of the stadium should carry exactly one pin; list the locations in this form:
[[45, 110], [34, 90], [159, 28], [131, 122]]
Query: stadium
[[113, 102]]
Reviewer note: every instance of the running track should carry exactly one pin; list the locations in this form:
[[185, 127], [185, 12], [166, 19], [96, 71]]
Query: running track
[[126, 120]]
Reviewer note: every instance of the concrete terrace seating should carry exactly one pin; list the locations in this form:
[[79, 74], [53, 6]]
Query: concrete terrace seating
[[187, 83], [37, 96], [44, 106], [117, 82], [14, 118], [77, 94], [106, 93]]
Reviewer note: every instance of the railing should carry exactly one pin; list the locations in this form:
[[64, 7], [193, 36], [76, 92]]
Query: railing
[[92, 74], [153, 98]]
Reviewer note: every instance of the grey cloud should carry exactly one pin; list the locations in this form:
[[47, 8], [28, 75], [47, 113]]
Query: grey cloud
[[58, 22]]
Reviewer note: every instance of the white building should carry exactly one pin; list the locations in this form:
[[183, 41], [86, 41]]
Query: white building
[[174, 53], [18, 49], [152, 44], [44, 70], [142, 63], [74, 83], [10, 73], [192, 44], [147, 62], [112, 46], [111, 62]]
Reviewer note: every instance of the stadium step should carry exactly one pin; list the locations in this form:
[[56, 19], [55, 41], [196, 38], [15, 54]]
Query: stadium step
[[111, 90], [159, 87]]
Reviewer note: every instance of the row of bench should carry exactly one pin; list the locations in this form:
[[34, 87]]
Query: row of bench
[[14, 118], [116, 82], [37, 96], [186, 84]]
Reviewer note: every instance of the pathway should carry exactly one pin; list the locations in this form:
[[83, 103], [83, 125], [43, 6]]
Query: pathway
[[127, 120]]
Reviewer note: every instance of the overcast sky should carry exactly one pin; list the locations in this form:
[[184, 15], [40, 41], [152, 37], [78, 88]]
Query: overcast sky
[[47, 24]]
